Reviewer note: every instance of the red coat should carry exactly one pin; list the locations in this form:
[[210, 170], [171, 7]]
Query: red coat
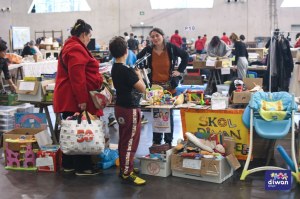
[[226, 39], [72, 87], [176, 39], [297, 45], [199, 44]]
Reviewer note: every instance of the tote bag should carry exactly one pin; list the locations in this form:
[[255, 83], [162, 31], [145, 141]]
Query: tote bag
[[101, 98], [82, 137]]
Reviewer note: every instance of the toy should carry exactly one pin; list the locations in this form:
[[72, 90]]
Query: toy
[[220, 149], [197, 142], [239, 85], [108, 158], [24, 159]]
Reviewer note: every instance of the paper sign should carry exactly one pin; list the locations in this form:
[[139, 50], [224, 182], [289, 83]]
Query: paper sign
[[161, 121], [191, 164], [46, 161], [26, 86], [225, 71], [210, 62]]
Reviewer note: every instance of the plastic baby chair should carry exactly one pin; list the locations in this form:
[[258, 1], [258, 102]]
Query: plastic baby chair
[[272, 116]]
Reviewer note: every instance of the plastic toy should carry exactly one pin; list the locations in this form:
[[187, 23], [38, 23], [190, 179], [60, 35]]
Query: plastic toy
[[108, 158], [24, 159]]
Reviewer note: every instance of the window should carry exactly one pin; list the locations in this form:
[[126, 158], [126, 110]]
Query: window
[[176, 4], [48, 6], [290, 3]]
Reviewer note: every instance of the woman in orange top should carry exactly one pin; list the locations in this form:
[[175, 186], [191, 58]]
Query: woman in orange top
[[163, 72]]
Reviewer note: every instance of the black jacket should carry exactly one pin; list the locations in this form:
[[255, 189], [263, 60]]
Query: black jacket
[[173, 51]]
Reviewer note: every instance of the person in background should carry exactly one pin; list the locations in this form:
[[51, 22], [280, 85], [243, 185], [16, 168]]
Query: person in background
[[242, 38], [28, 49], [225, 39], [133, 44], [126, 36], [297, 44], [199, 45], [129, 86], [4, 66], [218, 48], [77, 74], [35, 47], [204, 39], [241, 56], [163, 72], [176, 39]]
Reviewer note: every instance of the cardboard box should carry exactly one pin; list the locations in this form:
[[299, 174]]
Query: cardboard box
[[245, 96], [251, 82], [209, 170], [199, 64], [241, 97], [32, 90], [23, 134], [48, 160], [156, 167], [192, 80]]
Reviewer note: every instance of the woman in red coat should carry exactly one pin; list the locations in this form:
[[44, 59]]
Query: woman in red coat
[[77, 74]]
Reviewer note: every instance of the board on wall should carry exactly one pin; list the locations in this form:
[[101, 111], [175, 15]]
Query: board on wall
[[20, 36]]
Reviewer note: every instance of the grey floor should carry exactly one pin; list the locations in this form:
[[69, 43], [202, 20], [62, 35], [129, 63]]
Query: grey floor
[[32, 185]]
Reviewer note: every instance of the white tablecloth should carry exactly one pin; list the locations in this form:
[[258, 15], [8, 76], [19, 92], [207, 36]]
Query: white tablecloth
[[37, 68]]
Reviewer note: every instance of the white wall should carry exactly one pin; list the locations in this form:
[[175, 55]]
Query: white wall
[[112, 17]]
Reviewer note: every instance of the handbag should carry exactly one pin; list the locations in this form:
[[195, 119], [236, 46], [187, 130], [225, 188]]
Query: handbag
[[101, 98], [82, 137]]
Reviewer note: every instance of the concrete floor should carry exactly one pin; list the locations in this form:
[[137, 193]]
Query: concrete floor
[[32, 185]]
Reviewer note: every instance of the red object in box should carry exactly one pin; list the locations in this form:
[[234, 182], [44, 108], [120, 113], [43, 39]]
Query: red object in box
[[56, 157]]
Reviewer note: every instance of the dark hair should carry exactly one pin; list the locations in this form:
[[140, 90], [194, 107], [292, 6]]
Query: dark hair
[[224, 33], [80, 27], [242, 37], [215, 41], [3, 46], [199, 37], [297, 35], [131, 34], [176, 31], [158, 30], [204, 35], [117, 46], [125, 34]]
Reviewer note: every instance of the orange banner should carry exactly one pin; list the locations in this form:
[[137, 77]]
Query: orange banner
[[228, 122]]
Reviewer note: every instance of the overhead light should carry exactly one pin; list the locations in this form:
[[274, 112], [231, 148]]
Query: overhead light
[[177, 4], [290, 3]]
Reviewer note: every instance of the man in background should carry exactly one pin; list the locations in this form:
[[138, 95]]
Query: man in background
[[176, 39]]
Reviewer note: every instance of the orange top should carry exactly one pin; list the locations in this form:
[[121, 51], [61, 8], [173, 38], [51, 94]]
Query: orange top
[[160, 67]]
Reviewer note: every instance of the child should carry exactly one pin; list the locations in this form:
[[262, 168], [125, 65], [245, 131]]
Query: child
[[129, 87]]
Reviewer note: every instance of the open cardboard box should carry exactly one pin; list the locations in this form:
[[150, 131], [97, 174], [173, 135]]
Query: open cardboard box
[[245, 96], [32, 90]]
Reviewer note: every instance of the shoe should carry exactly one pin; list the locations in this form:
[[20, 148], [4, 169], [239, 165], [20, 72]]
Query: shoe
[[135, 170], [144, 121], [133, 178], [90, 172], [111, 121], [68, 170]]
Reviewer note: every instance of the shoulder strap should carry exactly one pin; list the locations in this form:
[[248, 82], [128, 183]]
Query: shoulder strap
[[62, 62]]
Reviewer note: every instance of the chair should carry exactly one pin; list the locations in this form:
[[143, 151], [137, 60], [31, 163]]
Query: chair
[[272, 116]]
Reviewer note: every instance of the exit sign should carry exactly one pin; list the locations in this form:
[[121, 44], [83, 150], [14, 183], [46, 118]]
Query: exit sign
[[142, 13]]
